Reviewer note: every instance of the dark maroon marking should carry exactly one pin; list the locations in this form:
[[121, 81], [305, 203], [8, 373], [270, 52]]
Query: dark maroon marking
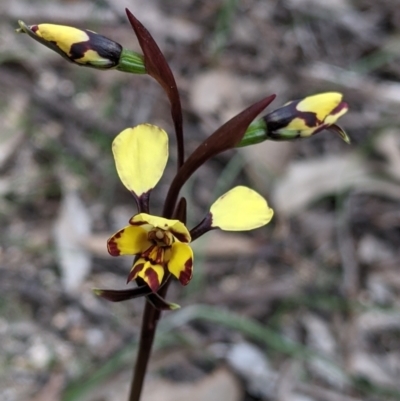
[[179, 236], [105, 48], [186, 275], [160, 256], [146, 253], [112, 246], [339, 107], [137, 268], [309, 118], [34, 28], [152, 279], [136, 223], [320, 128], [118, 234]]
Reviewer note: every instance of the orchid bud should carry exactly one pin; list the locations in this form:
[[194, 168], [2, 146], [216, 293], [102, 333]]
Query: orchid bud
[[299, 119], [85, 47]]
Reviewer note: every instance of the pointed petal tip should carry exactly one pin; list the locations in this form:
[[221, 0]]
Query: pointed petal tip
[[341, 132], [21, 27], [160, 303]]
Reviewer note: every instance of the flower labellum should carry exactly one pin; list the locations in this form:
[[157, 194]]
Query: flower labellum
[[84, 47]]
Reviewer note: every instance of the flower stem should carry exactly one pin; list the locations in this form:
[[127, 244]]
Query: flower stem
[[150, 320]]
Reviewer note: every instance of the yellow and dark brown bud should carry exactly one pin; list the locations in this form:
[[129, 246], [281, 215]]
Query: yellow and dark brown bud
[[305, 117], [84, 47], [299, 119]]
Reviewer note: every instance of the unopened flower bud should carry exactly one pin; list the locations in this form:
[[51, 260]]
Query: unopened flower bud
[[84, 47], [299, 119]]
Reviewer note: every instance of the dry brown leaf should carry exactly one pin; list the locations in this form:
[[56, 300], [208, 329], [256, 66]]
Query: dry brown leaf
[[72, 228], [388, 144], [220, 385], [219, 243], [221, 93], [377, 321], [52, 390], [308, 180], [320, 339], [252, 365], [267, 161], [373, 250], [12, 133], [370, 367]]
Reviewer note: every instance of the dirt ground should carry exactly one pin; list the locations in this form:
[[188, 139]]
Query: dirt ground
[[304, 309]]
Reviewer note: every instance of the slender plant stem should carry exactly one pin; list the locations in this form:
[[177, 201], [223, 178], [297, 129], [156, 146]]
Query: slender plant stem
[[150, 320]]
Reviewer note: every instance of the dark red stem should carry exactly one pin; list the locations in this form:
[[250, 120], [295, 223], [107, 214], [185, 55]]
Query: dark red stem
[[151, 316]]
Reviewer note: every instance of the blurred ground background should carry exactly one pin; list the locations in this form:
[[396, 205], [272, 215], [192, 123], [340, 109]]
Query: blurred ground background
[[305, 309]]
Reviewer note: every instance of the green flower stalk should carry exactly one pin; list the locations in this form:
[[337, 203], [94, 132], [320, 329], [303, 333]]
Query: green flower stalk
[[85, 47], [299, 119]]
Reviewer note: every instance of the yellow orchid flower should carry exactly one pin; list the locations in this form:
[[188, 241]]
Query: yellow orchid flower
[[162, 245]]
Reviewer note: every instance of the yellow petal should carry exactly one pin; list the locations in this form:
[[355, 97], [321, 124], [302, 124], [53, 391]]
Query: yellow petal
[[177, 228], [131, 240], [181, 262], [322, 104], [240, 209], [63, 36], [141, 154]]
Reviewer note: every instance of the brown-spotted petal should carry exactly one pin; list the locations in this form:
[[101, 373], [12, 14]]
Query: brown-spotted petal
[[152, 274], [181, 262], [131, 240]]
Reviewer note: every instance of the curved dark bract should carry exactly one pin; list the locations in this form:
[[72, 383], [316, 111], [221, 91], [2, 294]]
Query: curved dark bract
[[158, 68]]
